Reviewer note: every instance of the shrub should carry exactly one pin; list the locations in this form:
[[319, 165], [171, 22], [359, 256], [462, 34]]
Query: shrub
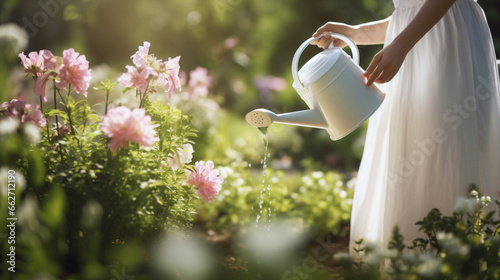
[[315, 201], [464, 245], [96, 186]]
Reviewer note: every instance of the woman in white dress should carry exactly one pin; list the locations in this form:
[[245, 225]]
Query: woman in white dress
[[438, 130]]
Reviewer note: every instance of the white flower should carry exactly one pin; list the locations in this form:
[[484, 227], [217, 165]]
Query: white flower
[[32, 133], [225, 171], [240, 181], [429, 268], [351, 183], [8, 126], [13, 38], [181, 157], [20, 182], [485, 200], [317, 174], [307, 180], [465, 206], [474, 193], [343, 194]]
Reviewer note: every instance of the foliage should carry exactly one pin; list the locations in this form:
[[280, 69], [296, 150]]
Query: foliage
[[83, 202], [313, 201], [87, 170], [464, 245]]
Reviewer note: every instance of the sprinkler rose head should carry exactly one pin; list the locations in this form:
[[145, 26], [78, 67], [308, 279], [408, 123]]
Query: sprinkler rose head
[[260, 118]]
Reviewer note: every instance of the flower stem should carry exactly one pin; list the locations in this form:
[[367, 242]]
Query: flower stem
[[68, 110], [41, 109], [107, 98], [55, 106], [141, 98], [59, 148]]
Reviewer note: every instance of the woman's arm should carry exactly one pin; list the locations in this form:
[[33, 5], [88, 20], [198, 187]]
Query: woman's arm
[[370, 33], [387, 62]]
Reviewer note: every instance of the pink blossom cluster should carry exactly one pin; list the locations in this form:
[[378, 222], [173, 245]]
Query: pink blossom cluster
[[123, 125], [73, 70], [19, 109], [150, 72], [206, 179], [270, 83], [39, 64], [199, 82]]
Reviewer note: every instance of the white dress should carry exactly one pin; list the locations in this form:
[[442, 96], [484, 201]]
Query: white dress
[[438, 130]]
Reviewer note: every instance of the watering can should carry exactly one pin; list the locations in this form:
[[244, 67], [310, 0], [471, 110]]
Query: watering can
[[332, 85]]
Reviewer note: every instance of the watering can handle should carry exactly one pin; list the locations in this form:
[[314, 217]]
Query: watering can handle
[[300, 50]]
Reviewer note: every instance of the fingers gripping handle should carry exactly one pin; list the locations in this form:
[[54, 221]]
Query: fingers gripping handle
[[300, 50]]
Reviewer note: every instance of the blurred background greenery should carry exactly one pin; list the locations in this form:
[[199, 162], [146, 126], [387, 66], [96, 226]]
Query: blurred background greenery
[[238, 41]]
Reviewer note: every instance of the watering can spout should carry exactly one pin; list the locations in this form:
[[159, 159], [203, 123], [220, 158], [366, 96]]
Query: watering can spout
[[264, 118]]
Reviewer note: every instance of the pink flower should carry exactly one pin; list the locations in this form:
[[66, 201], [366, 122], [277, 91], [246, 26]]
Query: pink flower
[[166, 73], [199, 82], [140, 58], [206, 179], [268, 84], [265, 84], [122, 125], [169, 77], [135, 79], [24, 112], [49, 60], [74, 70], [63, 129], [231, 42], [181, 157], [38, 63], [183, 78], [33, 63]]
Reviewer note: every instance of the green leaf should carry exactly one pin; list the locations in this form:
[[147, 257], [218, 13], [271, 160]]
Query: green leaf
[[53, 208], [56, 112], [71, 13], [36, 168]]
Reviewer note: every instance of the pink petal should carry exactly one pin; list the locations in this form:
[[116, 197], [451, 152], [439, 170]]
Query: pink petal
[[40, 85]]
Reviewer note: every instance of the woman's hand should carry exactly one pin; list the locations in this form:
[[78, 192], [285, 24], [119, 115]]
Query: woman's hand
[[385, 64], [336, 27]]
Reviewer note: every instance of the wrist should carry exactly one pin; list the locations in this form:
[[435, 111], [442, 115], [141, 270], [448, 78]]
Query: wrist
[[351, 31], [404, 44]]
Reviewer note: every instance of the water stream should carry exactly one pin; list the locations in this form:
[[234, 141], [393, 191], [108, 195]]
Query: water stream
[[264, 161]]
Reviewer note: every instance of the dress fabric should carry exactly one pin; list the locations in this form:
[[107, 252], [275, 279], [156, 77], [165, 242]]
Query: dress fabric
[[437, 131]]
